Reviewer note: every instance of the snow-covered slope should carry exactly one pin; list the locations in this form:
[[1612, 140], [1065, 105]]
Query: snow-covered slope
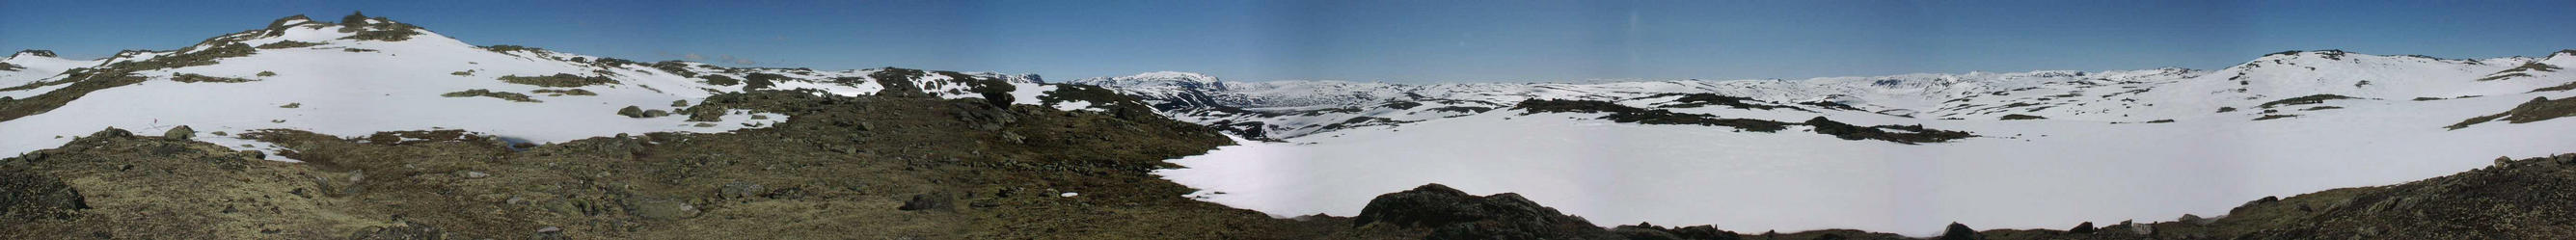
[[31, 65], [367, 75], [2108, 146]]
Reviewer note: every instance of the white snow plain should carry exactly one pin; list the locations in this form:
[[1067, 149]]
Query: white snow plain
[[2049, 174]]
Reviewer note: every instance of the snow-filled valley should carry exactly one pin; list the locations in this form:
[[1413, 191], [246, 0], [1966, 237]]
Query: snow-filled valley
[[2105, 153]]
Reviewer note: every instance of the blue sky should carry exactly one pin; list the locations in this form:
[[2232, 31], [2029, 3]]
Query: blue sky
[[1393, 41]]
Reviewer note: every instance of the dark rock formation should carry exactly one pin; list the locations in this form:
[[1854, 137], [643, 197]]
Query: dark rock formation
[[1452, 214]]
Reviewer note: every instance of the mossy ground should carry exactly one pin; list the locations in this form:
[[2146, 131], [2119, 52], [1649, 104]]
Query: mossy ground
[[560, 80], [2538, 109], [514, 97]]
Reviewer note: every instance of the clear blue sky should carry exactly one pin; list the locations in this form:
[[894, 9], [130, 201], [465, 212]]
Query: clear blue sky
[[1393, 41]]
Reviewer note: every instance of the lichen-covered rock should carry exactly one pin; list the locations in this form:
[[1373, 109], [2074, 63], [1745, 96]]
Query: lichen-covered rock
[[182, 133], [29, 196]]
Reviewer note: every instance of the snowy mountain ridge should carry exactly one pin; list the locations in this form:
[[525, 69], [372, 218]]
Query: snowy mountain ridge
[[370, 74], [1288, 109]]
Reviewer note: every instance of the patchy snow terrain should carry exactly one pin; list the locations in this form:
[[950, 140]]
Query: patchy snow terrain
[[2036, 149], [2109, 146], [380, 75]]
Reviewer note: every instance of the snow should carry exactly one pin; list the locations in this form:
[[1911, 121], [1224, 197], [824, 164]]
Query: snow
[[2024, 174], [35, 68]]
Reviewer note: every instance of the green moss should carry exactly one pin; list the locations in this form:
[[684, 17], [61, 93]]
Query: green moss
[[720, 80], [631, 111], [2522, 71], [2560, 87], [1627, 114], [514, 97], [82, 83], [2273, 116], [995, 91], [758, 81], [1099, 97], [194, 78], [1707, 99], [2021, 117], [675, 68], [2303, 100], [1907, 134], [1401, 105], [1461, 109], [558, 80], [1535, 106], [267, 74], [382, 30], [510, 48], [2538, 109], [287, 44], [574, 92], [200, 57], [463, 73]]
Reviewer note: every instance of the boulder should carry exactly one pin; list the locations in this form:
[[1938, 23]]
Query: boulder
[[111, 132], [631, 111], [181, 133]]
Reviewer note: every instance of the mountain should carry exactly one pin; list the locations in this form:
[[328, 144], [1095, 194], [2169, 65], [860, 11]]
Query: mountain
[[2015, 150], [1290, 109], [370, 74]]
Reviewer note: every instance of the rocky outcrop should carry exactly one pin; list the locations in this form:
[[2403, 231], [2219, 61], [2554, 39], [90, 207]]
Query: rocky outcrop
[[28, 196], [1452, 214]]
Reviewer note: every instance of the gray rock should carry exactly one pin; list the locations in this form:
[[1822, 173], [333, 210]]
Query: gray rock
[[111, 132], [182, 133]]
